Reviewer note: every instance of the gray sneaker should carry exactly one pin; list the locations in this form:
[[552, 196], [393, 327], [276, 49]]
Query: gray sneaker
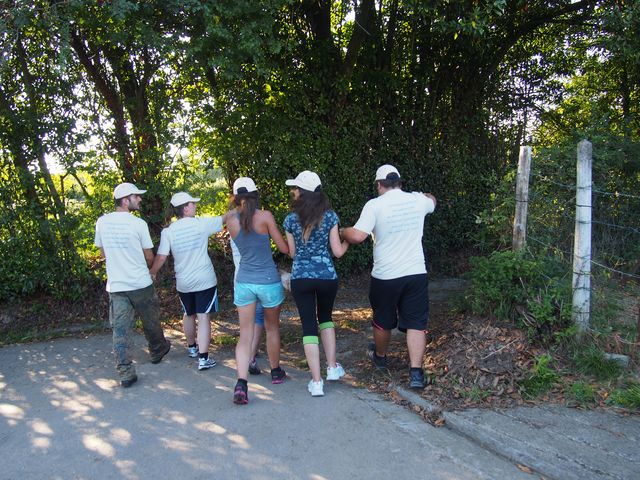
[[206, 363], [193, 351]]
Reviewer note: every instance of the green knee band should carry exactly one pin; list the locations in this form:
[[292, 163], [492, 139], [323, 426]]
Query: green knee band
[[326, 325], [311, 339]]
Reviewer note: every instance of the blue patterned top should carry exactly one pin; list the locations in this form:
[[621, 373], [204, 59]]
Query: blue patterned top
[[312, 258]]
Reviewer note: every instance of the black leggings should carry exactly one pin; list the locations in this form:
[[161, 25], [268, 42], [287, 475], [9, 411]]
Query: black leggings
[[309, 292]]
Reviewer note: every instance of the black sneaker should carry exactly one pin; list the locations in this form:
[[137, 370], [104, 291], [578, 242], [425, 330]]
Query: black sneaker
[[379, 362], [416, 379], [254, 369], [240, 394], [129, 381], [159, 358]]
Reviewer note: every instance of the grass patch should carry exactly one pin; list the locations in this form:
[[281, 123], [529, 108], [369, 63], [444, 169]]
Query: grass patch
[[590, 360], [225, 339], [628, 397], [542, 378], [476, 393], [582, 392]]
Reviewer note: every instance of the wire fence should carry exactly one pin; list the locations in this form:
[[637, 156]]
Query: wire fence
[[554, 216], [611, 214]]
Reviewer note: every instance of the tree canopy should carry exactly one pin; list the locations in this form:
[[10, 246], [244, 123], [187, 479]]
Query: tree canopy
[[162, 93]]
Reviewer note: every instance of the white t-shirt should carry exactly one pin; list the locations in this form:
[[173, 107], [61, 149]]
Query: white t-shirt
[[187, 239], [395, 221], [123, 237], [236, 258]]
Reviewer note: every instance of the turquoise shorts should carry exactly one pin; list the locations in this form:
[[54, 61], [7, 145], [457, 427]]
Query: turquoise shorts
[[270, 295]]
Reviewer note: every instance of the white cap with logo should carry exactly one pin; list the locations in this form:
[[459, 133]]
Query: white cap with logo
[[385, 170], [244, 185], [126, 189], [181, 198], [306, 180]]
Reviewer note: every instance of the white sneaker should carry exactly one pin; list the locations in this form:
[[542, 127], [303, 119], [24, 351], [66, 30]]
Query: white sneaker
[[335, 373], [193, 351], [206, 363], [316, 388]]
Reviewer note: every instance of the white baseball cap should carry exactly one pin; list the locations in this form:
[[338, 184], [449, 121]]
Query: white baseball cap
[[244, 183], [126, 189], [306, 180], [385, 170], [181, 198]]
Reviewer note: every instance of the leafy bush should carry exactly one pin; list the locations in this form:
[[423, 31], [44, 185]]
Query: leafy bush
[[514, 286]]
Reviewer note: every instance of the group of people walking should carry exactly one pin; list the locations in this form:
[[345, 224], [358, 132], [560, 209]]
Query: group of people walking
[[398, 291]]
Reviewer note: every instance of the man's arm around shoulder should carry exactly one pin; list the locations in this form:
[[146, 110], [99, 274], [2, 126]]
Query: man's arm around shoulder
[[353, 235]]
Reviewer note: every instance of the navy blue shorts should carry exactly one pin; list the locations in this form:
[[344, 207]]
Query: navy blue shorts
[[204, 301], [400, 302]]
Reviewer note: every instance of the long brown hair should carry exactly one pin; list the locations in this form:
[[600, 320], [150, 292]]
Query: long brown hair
[[310, 207], [251, 201]]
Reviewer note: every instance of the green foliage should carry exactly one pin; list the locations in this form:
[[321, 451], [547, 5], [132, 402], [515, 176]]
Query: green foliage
[[628, 397], [497, 282], [121, 90], [541, 379], [516, 286], [590, 360], [476, 393], [225, 340], [582, 393]]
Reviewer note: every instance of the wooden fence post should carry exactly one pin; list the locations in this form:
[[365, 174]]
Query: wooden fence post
[[522, 199], [582, 240]]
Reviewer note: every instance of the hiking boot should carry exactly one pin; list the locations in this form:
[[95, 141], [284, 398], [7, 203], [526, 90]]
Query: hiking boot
[[316, 388], [416, 379], [126, 383], [278, 375], [158, 358], [254, 369], [193, 351], [240, 394], [335, 373], [379, 362], [206, 363]]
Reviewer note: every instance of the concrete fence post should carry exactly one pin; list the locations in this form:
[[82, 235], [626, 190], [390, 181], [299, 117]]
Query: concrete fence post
[[582, 240], [522, 199]]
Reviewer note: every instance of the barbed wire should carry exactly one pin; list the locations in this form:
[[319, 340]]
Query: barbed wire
[[593, 190], [599, 222], [583, 257]]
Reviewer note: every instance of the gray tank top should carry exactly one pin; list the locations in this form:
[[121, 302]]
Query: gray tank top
[[256, 262]]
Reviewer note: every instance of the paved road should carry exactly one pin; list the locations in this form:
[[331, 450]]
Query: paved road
[[63, 416]]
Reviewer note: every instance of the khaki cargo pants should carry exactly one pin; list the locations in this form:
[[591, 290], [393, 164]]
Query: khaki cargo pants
[[122, 306]]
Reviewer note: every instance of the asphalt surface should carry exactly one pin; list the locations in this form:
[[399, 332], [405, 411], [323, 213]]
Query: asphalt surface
[[63, 415]]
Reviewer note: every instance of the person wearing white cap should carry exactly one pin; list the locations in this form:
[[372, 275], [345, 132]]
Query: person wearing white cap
[[257, 280], [399, 284], [311, 228], [187, 239], [125, 243]]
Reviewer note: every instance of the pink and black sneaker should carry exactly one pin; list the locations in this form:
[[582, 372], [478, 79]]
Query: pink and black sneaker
[[278, 375], [240, 394]]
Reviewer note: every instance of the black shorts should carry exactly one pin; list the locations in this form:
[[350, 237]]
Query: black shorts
[[401, 302], [204, 301]]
